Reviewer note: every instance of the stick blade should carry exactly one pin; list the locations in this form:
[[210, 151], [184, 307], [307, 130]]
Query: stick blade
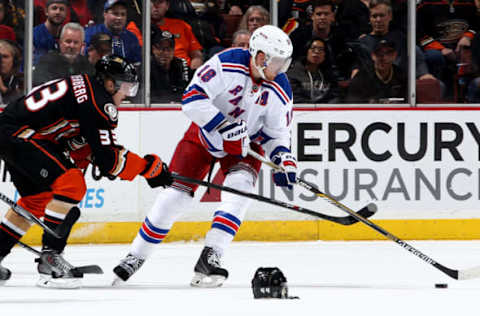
[[365, 212], [90, 269], [467, 274]]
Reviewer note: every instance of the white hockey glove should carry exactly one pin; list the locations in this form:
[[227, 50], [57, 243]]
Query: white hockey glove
[[289, 164], [235, 138]]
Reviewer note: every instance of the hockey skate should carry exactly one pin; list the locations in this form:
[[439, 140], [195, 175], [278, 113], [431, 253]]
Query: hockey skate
[[55, 271], [4, 273], [208, 272], [126, 268]]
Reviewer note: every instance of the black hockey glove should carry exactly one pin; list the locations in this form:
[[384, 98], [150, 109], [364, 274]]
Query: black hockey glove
[[156, 172]]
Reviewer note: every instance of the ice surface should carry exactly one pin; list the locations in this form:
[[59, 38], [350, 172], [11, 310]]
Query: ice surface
[[331, 278]]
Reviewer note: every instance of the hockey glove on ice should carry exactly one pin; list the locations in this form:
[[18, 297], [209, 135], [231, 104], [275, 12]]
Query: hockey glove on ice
[[235, 138], [156, 172], [289, 164]]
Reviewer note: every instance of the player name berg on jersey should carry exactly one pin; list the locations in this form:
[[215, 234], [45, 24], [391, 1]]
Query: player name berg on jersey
[[79, 89]]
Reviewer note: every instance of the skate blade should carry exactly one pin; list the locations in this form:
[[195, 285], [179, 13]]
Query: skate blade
[[207, 281], [46, 281]]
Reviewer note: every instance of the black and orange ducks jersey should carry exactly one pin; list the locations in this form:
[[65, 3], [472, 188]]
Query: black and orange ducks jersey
[[62, 109]]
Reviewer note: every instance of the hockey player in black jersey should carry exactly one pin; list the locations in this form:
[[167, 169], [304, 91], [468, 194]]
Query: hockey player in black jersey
[[73, 117]]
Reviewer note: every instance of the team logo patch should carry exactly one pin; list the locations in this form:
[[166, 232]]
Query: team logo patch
[[111, 111], [44, 173]]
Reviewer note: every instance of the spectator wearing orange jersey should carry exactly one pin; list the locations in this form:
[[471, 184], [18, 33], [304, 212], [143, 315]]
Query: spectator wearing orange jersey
[[186, 44]]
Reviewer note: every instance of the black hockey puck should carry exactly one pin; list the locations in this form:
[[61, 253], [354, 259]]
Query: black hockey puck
[[441, 285]]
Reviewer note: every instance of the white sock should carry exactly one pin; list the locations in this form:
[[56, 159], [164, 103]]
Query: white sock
[[169, 205]]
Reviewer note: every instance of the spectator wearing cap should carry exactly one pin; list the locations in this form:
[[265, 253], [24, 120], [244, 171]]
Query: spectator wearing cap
[[100, 45], [187, 45], [68, 60], [383, 82], [124, 42], [45, 35], [380, 20], [169, 74]]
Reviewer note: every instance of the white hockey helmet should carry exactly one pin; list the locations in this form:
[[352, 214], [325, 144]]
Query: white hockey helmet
[[276, 46]]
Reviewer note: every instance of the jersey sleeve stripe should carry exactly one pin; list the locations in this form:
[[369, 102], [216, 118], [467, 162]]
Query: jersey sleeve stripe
[[120, 160], [20, 130], [206, 142], [129, 165], [194, 93], [260, 137], [238, 68], [217, 119], [277, 90]]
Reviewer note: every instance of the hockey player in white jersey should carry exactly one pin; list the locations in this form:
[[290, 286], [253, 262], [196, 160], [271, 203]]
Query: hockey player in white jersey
[[238, 99]]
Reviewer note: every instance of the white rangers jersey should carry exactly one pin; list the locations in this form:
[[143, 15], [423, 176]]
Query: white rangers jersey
[[223, 89]]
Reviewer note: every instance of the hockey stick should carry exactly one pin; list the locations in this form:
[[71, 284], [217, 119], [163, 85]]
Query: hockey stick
[[312, 188], [367, 211], [27, 215], [464, 274]]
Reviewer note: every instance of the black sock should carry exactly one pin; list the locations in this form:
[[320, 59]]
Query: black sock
[[61, 225], [8, 239]]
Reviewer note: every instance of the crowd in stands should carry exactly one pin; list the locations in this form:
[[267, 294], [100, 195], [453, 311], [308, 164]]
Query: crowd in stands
[[345, 51]]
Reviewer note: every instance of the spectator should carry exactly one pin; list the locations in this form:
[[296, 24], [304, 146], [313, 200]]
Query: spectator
[[382, 83], [100, 45], [186, 44], [243, 5], [443, 29], [222, 6], [45, 35], [7, 33], [235, 10], [254, 17], [11, 83], [169, 74], [40, 12], [353, 17], [380, 19], [311, 76], [323, 26], [208, 26], [241, 38], [473, 94], [68, 60], [134, 11], [124, 42], [12, 17]]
